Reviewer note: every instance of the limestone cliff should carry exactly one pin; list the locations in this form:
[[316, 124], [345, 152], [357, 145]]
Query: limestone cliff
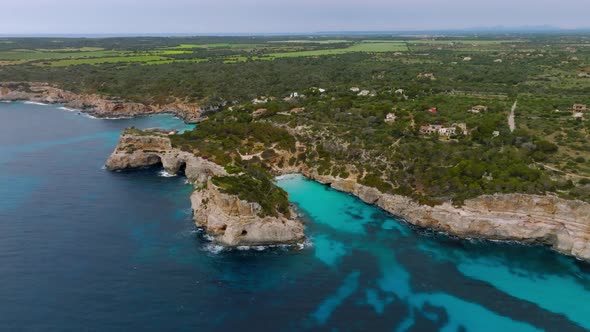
[[228, 219], [236, 222], [93, 104], [562, 224]]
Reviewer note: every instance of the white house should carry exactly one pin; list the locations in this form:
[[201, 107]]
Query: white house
[[390, 117]]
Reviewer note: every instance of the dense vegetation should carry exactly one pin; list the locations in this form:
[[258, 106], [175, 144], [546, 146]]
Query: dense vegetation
[[256, 187], [343, 131]]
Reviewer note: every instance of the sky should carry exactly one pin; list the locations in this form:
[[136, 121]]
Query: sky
[[281, 16]]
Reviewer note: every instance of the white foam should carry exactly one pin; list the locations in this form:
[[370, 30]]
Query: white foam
[[35, 103], [163, 173], [286, 176], [5, 101], [214, 248], [67, 109]]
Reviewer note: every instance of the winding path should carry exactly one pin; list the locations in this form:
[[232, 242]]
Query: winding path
[[511, 122]]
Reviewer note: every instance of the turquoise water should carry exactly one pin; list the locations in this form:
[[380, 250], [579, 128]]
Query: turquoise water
[[82, 248]]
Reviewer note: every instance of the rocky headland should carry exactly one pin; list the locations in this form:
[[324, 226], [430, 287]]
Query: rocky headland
[[93, 104], [562, 224], [231, 221]]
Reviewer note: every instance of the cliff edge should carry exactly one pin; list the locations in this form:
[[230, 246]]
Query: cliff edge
[[231, 221], [562, 224], [93, 104]]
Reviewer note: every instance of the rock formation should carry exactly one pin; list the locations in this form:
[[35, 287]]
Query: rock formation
[[95, 105], [562, 224], [228, 219]]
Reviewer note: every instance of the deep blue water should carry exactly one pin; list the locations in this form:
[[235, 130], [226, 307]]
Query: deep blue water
[[82, 248]]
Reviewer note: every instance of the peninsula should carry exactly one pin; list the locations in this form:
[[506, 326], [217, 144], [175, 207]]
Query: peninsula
[[479, 137]]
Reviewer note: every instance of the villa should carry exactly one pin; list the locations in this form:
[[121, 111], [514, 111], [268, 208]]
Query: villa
[[390, 117], [441, 130]]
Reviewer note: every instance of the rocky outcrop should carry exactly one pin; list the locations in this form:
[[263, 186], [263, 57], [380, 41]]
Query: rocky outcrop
[[95, 105], [228, 219], [235, 222], [562, 224]]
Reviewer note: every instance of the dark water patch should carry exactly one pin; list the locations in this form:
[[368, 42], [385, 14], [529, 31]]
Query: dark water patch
[[449, 280]]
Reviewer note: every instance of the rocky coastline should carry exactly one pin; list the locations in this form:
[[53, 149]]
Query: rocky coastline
[[93, 104], [562, 224], [228, 219]]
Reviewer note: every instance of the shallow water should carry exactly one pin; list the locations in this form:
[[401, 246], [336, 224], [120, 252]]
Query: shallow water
[[82, 248]]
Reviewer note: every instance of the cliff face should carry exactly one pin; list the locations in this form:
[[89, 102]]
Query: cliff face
[[236, 222], [95, 105], [562, 224], [228, 219]]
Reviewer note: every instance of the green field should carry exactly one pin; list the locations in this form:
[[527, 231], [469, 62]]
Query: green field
[[42, 55], [380, 47], [312, 41], [466, 41], [96, 61]]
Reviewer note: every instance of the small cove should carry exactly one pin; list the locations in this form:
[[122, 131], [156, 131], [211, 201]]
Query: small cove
[[83, 248]]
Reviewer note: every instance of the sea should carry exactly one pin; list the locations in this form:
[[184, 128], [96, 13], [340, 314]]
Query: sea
[[85, 249]]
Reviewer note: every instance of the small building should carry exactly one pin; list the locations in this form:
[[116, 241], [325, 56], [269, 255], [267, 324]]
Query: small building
[[399, 91], [496, 133], [579, 108], [461, 126], [432, 110], [578, 115], [430, 129], [397, 54], [467, 58], [498, 61], [390, 117], [364, 93], [447, 132], [478, 109], [444, 131], [355, 89]]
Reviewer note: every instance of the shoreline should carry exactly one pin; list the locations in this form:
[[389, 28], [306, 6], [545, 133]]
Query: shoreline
[[97, 106], [561, 224], [494, 217]]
